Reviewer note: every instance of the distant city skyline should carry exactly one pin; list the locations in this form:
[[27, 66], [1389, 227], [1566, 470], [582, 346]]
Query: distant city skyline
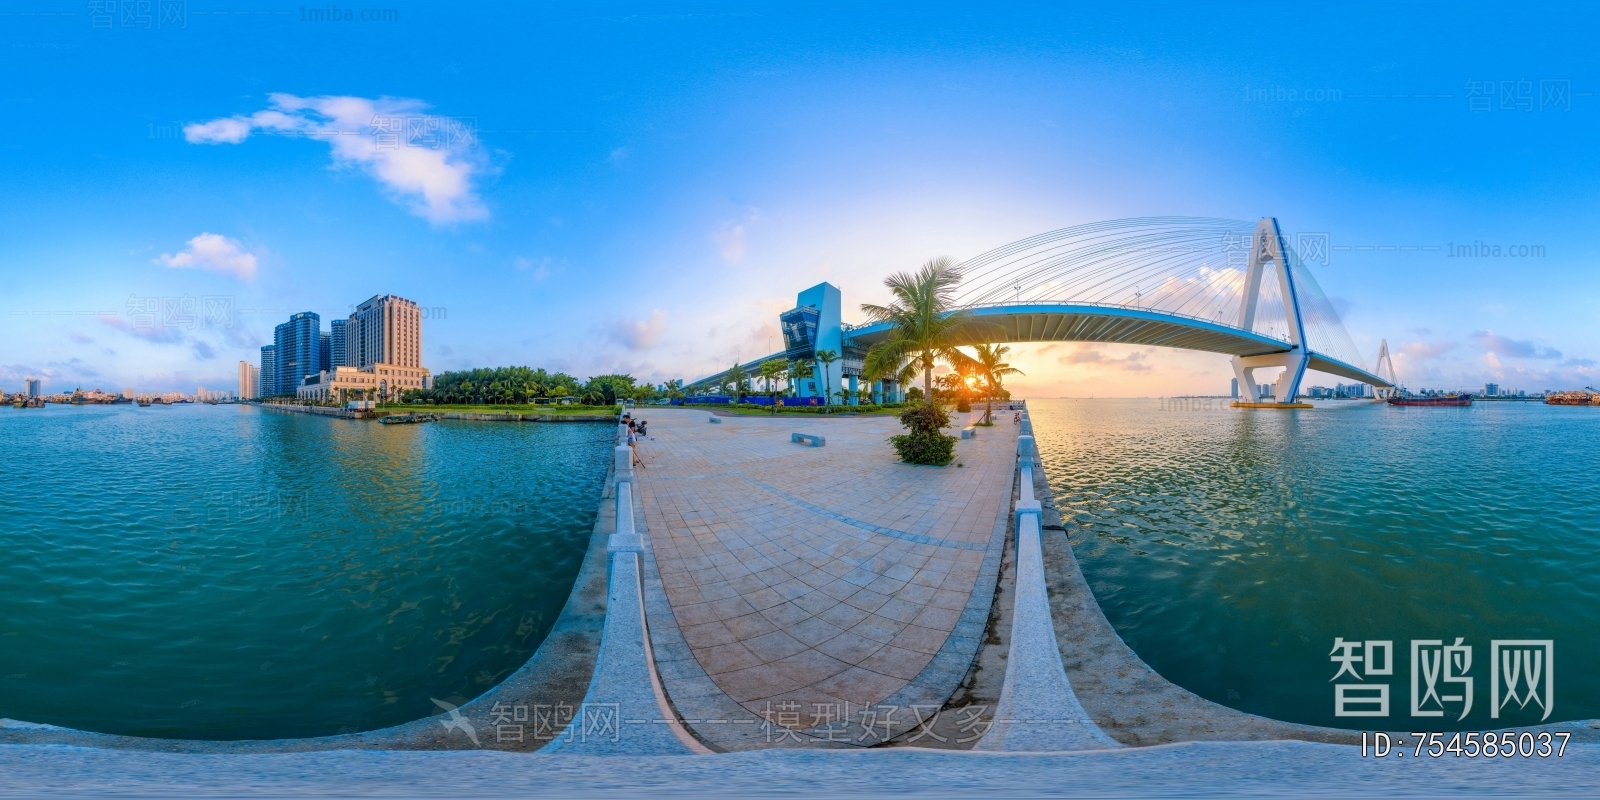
[[643, 193]]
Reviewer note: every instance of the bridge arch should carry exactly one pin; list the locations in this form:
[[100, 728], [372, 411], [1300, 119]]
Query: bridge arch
[[1217, 286]]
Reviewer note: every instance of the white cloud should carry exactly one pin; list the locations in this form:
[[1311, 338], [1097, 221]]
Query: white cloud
[[427, 162], [730, 243], [1515, 348], [640, 334], [1423, 351], [1092, 356], [214, 252], [157, 334], [229, 130], [540, 268]]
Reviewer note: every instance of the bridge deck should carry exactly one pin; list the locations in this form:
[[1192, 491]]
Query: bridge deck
[[1081, 322]]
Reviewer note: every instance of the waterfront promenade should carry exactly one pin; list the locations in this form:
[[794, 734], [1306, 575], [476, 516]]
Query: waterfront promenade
[[822, 598], [809, 584]]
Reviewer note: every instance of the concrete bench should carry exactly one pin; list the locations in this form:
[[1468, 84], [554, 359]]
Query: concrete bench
[[969, 432], [715, 420], [808, 438]]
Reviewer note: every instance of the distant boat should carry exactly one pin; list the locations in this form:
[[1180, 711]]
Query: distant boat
[[144, 403], [1580, 398], [407, 419], [1433, 401]]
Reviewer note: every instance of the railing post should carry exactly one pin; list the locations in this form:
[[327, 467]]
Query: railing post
[[1028, 510], [626, 538], [622, 464]]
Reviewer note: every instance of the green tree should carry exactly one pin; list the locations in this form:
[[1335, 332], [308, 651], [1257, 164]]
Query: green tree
[[737, 376], [825, 359], [799, 371], [610, 387], [771, 370], [925, 325], [992, 368]]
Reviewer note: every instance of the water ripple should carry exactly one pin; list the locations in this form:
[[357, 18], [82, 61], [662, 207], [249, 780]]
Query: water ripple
[[1229, 547], [224, 572]]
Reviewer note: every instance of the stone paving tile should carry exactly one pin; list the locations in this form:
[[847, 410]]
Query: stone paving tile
[[813, 576]]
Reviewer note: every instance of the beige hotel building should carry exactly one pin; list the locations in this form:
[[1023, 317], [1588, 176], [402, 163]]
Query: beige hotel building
[[382, 354]]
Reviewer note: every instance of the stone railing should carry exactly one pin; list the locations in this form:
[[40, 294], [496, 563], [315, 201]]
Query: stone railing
[[1037, 709], [625, 711]]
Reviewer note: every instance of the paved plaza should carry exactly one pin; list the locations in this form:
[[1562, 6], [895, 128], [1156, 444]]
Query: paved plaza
[[815, 577]]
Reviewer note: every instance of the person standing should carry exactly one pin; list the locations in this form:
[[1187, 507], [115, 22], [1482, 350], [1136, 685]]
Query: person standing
[[633, 447]]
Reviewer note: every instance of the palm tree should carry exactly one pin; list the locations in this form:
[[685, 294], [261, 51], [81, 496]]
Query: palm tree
[[736, 376], [992, 368], [773, 369], [924, 325], [799, 371], [825, 358]]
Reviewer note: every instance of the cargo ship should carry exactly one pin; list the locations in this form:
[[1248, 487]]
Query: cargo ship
[[1588, 397], [1441, 400]]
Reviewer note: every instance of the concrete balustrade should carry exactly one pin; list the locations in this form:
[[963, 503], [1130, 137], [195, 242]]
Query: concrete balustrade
[[1025, 446], [625, 711], [1027, 507], [622, 464], [1037, 709], [626, 539]]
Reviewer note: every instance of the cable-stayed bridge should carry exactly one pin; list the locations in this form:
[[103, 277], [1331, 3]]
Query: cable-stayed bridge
[[1212, 285]]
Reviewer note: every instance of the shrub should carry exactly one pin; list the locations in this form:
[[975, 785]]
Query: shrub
[[925, 444], [924, 419], [963, 407]]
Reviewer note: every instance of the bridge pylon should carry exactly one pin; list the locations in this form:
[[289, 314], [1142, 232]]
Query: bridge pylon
[[1385, 370], [1269, 248]]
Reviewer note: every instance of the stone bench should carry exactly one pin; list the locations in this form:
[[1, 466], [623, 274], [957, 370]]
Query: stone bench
[[715, 420], [808, 438], [969, 432]]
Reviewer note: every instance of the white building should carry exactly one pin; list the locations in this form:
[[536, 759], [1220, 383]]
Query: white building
[[249, 381]]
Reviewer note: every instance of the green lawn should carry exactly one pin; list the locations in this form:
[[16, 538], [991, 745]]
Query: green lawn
[[499, 409]]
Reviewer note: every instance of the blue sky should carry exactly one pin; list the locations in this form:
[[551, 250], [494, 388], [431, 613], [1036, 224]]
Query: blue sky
[[642, 188]]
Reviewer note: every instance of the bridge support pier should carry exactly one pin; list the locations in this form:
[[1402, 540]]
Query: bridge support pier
[[1269, 248], [1287, 386]]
